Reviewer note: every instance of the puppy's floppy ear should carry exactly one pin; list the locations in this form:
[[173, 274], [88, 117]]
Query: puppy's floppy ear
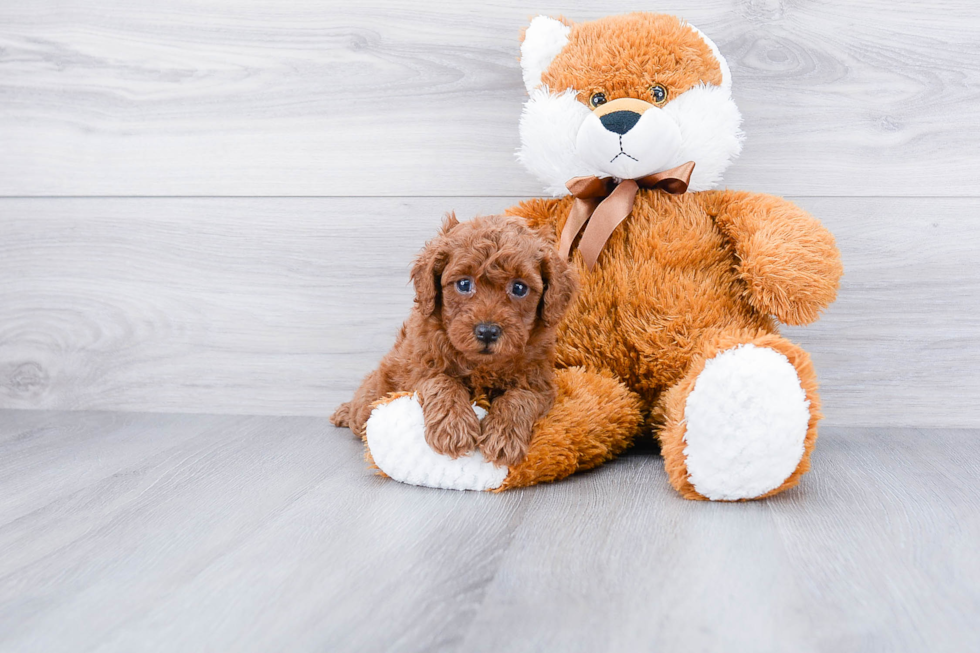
[[428, 267], [560, 284]]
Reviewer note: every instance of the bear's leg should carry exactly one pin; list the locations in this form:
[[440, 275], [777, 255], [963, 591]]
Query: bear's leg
[[595, 417], [742, 421], [395, 444]]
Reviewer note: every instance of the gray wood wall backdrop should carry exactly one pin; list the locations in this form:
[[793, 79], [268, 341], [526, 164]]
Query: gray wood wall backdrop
[[210, 205]]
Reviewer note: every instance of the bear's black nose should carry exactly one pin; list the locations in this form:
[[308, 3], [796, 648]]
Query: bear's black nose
[[620, 122], [487, 332]]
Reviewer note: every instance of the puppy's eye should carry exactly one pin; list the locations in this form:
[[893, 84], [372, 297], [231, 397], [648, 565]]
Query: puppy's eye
[[464, 286], [518, 289], [597, 99], [659, 93]]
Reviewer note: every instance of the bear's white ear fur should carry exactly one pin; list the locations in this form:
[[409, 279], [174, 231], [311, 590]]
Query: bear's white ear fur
[[543, 40]]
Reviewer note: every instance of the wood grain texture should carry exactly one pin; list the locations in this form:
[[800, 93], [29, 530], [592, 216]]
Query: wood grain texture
[[281, 306], [195, 533], [259, 97]]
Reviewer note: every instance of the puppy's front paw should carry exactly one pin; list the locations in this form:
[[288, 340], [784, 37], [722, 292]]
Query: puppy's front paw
[[504, 442], [357, 417], [341, 416], [352, 416], [452, 431]]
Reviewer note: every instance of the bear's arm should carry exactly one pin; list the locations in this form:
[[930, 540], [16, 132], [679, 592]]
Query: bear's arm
[[786, 257]]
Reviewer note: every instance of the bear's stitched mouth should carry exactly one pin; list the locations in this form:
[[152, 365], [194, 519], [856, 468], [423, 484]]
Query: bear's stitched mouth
[[622, 152]]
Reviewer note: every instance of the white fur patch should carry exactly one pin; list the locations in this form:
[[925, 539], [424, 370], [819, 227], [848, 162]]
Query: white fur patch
[[549, 127], [396, 438], [746, 421], [710, 125], [543, 40]]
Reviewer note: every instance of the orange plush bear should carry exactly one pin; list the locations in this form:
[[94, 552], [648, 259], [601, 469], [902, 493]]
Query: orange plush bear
[[630, 123]]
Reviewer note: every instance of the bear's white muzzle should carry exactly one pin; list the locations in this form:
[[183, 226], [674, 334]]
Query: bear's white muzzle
[[628, 139]]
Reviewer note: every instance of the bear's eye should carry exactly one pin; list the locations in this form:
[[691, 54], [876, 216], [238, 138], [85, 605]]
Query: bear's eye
[[464, 286], [659, 93], [597, 99], [518, 289]]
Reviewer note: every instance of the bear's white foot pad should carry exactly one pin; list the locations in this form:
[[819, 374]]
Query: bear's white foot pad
[[396, 438], [747, 419]]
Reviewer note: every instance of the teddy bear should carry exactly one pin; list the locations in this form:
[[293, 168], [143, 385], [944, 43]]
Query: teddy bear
[[629, 124]]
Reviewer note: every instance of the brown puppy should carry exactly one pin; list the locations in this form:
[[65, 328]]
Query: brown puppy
[[488, 296]]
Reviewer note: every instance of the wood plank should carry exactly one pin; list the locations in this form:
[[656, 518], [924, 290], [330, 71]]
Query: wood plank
[[872, 552], [899, 347], [43, 461], [281, 306], [269, 533], [259, 97], [223, 532]]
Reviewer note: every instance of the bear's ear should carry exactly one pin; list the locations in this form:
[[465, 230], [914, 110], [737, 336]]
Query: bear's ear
[[543, 40], [726, 73]]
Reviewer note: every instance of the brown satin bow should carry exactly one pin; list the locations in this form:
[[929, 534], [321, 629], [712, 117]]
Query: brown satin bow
[[605, 215]]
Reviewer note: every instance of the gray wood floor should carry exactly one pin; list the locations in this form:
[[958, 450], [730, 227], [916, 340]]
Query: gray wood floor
[[135, 532]]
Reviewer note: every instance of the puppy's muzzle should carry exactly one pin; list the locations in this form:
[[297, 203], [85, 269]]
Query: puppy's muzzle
[[487, 332]]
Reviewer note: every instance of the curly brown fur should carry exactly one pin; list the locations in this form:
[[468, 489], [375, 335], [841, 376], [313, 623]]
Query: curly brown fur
[[438, 355]]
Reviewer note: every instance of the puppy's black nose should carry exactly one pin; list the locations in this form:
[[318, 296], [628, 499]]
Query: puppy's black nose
[[620, 122], [487, 332]]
